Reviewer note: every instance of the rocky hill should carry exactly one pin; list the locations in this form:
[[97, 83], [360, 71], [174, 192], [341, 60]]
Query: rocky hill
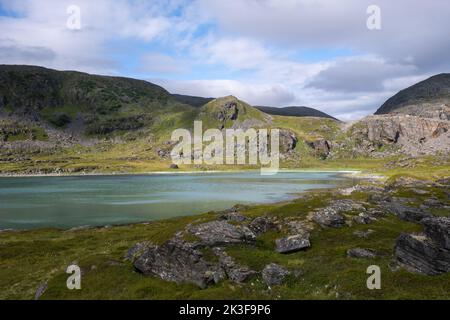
[[429, 98], [295, 112]]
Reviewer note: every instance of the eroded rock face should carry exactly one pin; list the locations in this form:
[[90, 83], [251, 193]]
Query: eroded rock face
[[293, 243], [438, 229], [179, 261], [419, 253], [216, 233], [274, 274]]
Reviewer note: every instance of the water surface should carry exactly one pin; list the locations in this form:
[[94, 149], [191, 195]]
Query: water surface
[[66, 202]]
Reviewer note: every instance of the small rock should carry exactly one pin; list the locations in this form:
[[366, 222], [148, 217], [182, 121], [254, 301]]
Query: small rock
[[363, 234], [40, 291], [174, 166], [233, 216], [262, 225], [361, 253], [293, 243], [235, 272], [274, 274]]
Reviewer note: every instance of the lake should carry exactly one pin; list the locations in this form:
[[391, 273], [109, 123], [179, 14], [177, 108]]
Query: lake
[[73, 201]]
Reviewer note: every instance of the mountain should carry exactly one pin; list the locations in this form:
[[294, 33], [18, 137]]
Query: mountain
[[192, 100], [429, 98], [295, 112]]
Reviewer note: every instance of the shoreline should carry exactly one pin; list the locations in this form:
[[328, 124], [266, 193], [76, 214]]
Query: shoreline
[[351, 173]]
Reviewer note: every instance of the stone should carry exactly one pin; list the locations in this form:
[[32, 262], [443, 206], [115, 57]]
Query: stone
[[221, 232], [262, 225], [234, 271], [438, 229], [361, 253], [363, 234], [137, 250], [329, 218], [293, 243], [40, 291], [274, 274], [233, 216], [322, 147], [179, 261], [174, 166], [407, 213], [419, 254]]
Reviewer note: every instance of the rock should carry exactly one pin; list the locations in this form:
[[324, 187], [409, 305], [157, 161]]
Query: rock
[[221, 232], [329, 218], [274, 274], [419, 192], [235, 272], [432, 203], [262, 225], [293, 243], [179, 261], [233, 216], [322, 147], [40, 291], [420, 254], [288, 141], [137, 250], [438, 230], [369, 216], [407, 213], [363, 234], [174, 166], [361, 253]]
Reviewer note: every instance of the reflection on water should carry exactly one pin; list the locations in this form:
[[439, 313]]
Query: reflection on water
[[67, 202]]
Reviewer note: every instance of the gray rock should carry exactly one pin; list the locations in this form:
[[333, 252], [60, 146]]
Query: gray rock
[[40, 291], [363, 234], [274, 274], [420, 254], [361, 253], [137, 250], [433, 203], [408, 213], [221, 232], [329, 218], [179, 261], [233, 216], [438, 230], [293, 243], [262, 225], [235, 272], [174, 166]]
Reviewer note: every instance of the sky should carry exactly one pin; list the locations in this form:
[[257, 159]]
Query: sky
[[277, 53]]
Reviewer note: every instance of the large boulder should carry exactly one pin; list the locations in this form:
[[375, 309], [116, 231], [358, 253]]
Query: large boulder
[[179, 261], [438, 229], [420, 254], [274, 274], [216, 233], [407, 213], [293, 243], [262, 225]]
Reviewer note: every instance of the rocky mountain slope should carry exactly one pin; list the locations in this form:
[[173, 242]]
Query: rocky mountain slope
[[429, 98]]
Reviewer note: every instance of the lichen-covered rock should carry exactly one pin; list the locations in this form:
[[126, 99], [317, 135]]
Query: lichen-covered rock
[[274, 274], [293, 243], [262, 225], [179, 261], [216, 233], [419, 253], [438, 229], [235, 272], [329, 218], [137, 250], [407, 213]]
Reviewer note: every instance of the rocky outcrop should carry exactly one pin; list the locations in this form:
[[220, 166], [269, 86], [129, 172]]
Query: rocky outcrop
[[331, 216], [234, 271], [274, 274], [288, 141], [407, 213], [216, 233], [262, 225], [321, 147], [429, 252], [179, 261], [293, 243], [412, 134]]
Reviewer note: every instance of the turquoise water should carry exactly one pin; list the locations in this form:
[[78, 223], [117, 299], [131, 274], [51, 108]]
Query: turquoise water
[[66, 202]]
